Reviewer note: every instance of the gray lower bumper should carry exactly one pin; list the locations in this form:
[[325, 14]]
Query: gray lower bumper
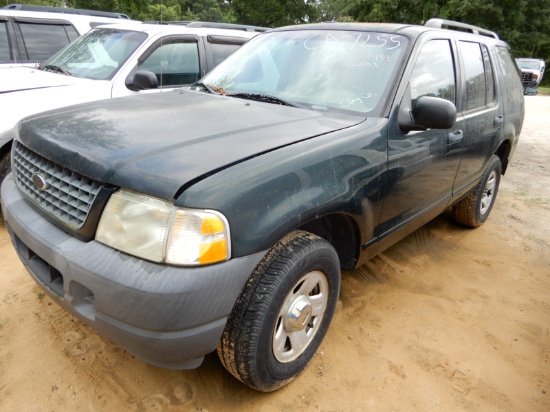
[[167, 316]]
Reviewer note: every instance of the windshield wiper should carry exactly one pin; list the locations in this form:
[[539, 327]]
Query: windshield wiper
[[56, 69], [266, 98]]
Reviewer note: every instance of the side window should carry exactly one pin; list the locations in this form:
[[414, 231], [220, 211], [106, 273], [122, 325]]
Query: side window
[[479, 92], [40, 41], [489, 76], [5, 55], [174, 64], [221, 51], [434, 73]]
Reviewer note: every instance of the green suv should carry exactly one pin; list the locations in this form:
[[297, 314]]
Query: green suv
[[220, 217]]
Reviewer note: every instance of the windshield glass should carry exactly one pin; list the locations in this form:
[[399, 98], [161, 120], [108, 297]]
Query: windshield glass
[[322, 70], [528, 65], [97, 55]]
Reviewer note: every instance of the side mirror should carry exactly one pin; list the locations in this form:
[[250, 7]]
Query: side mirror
[[434, 113], [428, 113], [142, 80]]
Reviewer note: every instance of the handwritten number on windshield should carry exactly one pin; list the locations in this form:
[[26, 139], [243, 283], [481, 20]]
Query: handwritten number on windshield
[[316, 41]]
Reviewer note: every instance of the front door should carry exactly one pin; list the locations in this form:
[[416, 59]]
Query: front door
[[423, 164]]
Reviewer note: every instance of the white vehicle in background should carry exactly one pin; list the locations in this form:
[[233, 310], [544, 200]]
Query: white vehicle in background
[[114, 61], [31, 34], [532, 71]]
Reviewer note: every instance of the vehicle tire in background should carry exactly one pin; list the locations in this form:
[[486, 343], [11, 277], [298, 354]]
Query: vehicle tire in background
[[283, 312], [474, 209]]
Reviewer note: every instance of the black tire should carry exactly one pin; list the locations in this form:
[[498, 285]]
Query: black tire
[[474, 209], [261, 343]]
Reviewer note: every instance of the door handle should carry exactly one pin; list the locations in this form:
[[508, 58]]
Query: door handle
[[455, 137], [499, 120]]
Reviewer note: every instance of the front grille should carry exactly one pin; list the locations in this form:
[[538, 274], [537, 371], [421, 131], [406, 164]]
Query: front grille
[[526, 77], [68, 197]]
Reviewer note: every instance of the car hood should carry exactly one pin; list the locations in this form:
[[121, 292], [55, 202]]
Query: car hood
[[58, 91], [15, 79], [156, 144]]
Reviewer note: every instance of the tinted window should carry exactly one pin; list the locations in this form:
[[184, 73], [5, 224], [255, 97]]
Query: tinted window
[[475, 75], [489, 79], [174, 64], [5, 54], [434, 73], [43, 40], [220, 51]]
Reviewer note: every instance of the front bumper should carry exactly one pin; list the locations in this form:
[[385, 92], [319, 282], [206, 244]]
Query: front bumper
[[167, 316]]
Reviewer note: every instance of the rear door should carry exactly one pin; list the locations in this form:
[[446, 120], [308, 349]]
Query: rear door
[[482, 110]]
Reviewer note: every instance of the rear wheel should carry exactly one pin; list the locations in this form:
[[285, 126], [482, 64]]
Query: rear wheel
[[283, 313], [474, 209]]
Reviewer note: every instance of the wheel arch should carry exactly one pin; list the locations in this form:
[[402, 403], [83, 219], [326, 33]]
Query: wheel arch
[[5, 163], [342, 232], [503, 152]]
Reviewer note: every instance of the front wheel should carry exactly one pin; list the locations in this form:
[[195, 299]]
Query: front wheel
[[283, 312], [474, 209]]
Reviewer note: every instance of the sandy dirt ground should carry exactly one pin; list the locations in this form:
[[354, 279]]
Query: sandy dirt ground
[[449, 319]]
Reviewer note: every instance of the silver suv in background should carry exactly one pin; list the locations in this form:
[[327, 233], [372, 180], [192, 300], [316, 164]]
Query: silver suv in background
[[31, 34], [532, 71]]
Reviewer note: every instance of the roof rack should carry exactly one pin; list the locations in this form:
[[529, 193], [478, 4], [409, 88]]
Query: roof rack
[[65, 10], [212, 25], [454, 25]]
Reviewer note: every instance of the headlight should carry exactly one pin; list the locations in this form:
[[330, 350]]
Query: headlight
[[156, 230], [535, 76]]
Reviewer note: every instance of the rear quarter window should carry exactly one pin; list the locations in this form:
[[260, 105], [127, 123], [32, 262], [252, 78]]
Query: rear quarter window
[[510, 74]]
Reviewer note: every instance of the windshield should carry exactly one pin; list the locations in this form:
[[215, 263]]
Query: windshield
[[97, 55], [528, 65], [322, 70]]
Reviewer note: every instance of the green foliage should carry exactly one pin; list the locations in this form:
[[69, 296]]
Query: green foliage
[[275, 13], [160, 12], [54, 3], [522, 23]]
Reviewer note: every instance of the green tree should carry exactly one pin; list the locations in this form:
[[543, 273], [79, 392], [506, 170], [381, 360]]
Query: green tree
[[214, 10], [522, 23], [274, 13]]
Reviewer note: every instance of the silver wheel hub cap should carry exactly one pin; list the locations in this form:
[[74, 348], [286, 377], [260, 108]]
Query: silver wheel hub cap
[[300, 316]]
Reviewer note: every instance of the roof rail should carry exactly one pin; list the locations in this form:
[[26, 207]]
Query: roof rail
[[454, 25], [227, 26], [66, 10], [212, 25]]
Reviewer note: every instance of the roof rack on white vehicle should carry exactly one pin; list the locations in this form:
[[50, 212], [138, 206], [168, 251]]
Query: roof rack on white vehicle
[[66, 10], [212, 25]]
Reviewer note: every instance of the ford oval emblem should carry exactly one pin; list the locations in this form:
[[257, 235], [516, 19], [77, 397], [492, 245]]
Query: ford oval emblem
[[39, 182]]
